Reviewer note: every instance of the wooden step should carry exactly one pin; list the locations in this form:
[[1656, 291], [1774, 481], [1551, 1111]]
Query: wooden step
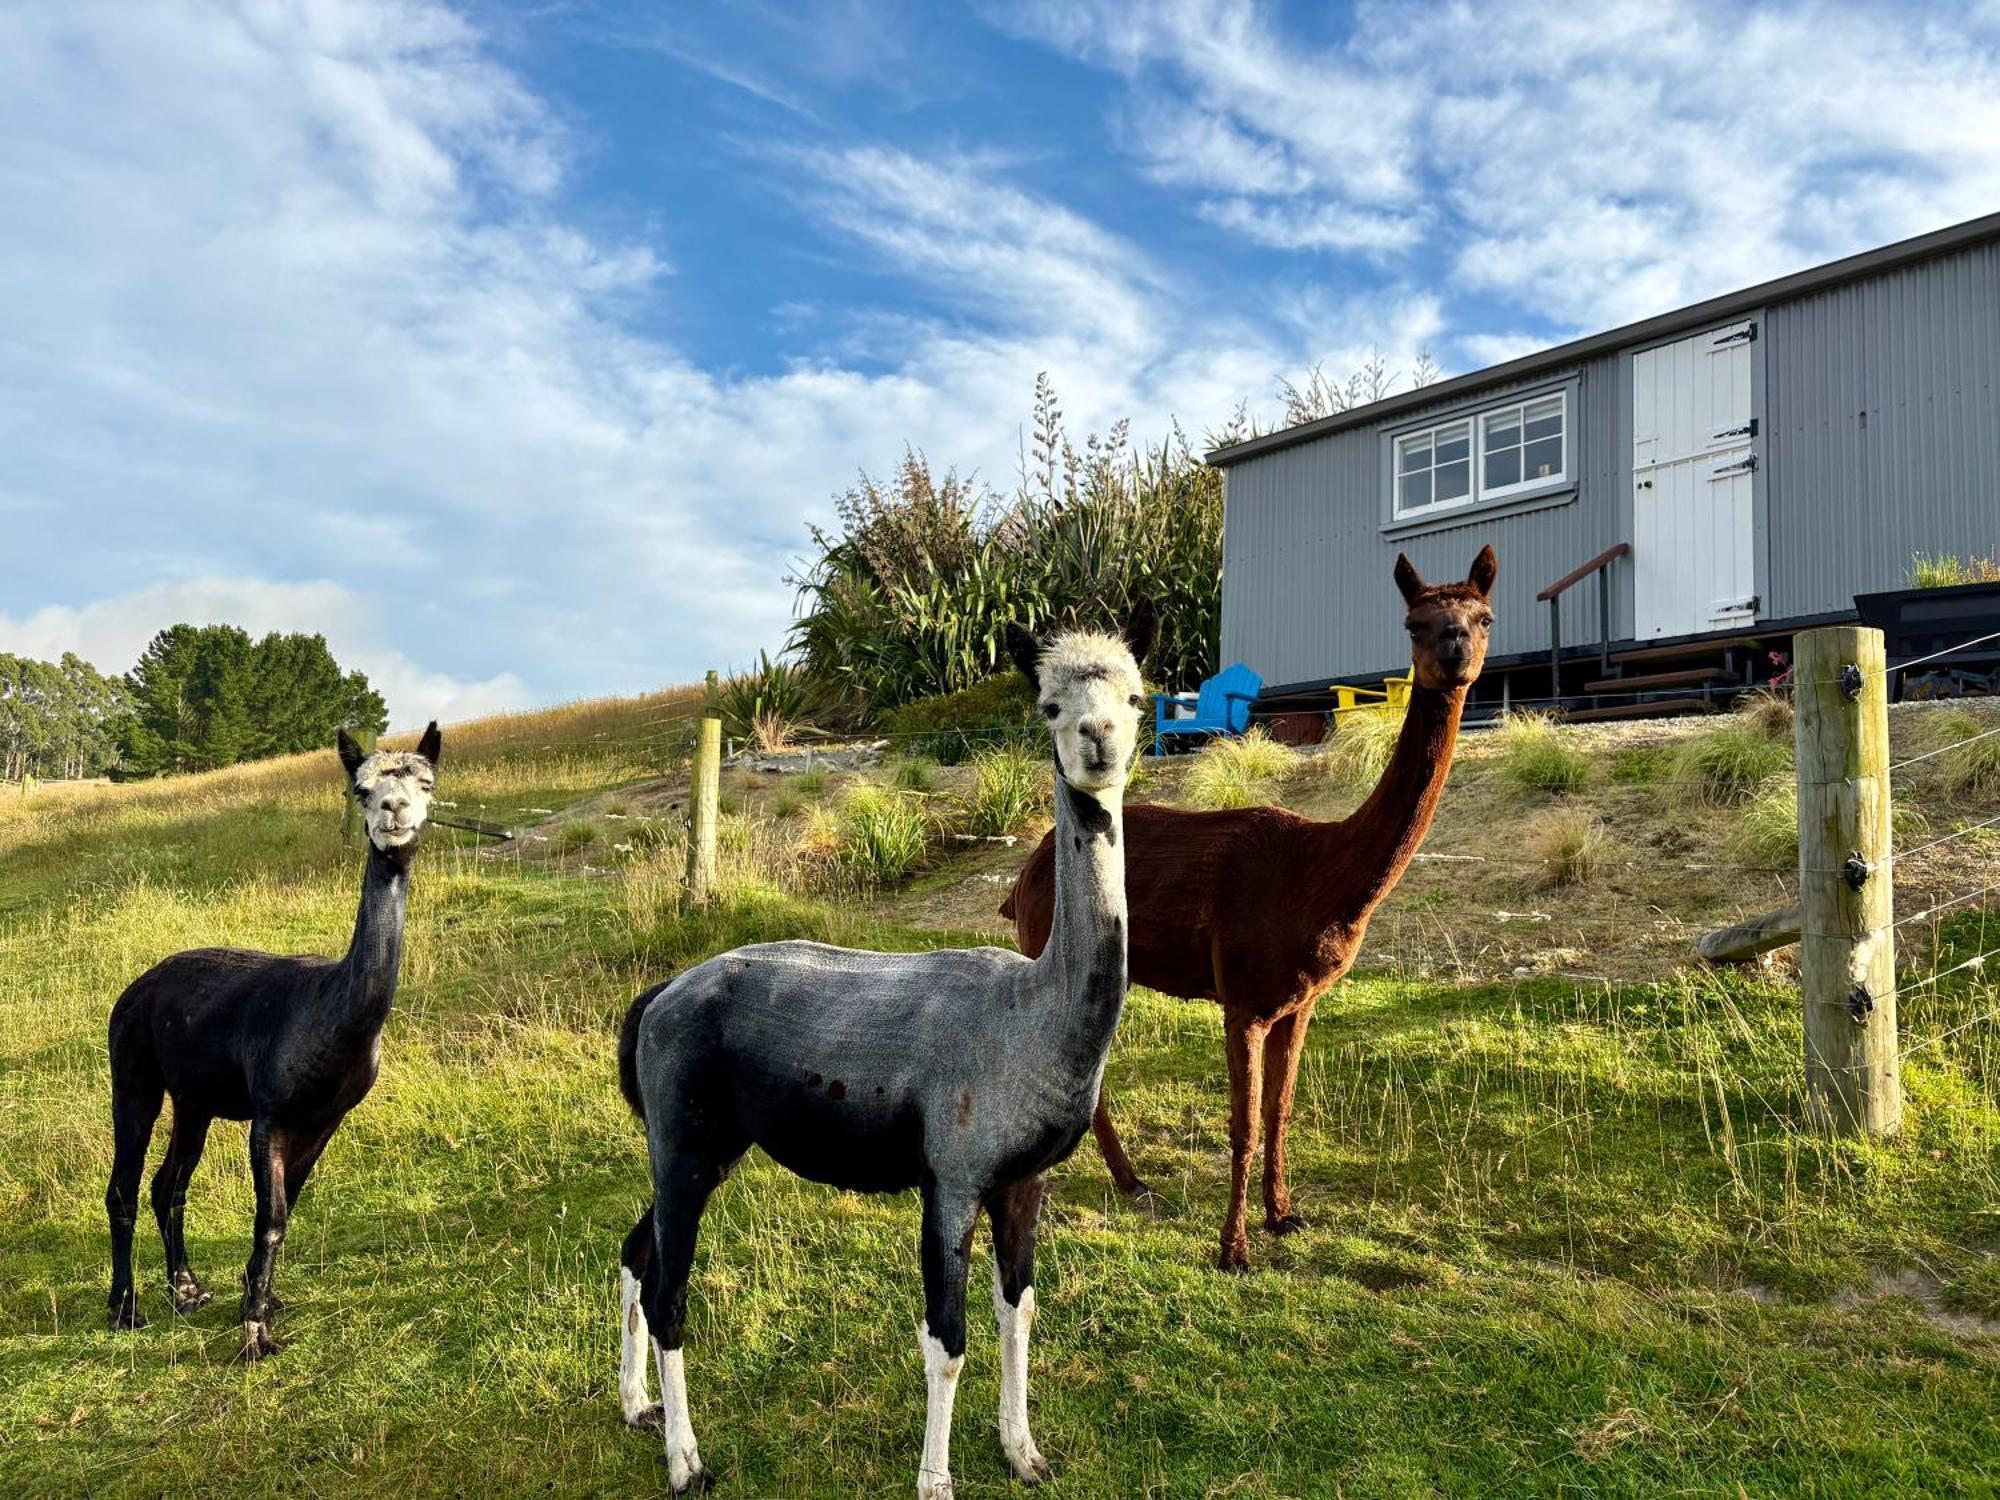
[[1706, 647], [1642, 710], [1692, 677]]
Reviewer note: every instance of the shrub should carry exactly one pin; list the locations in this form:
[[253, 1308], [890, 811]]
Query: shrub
[[811, 782], [1970, 766], [1362, 744], [1009, 783], [579, 834], [1237, 772], [878, 837], [951, 726], [1729, 761], [1536, 756], [1943, 572], [1570, 843]]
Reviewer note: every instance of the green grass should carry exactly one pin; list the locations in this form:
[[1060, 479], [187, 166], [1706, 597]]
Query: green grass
[[878, 837], [1534, 1203], [1363, 741], [1728, 761], [1009, 784], [1536, 755], [1970, 763]]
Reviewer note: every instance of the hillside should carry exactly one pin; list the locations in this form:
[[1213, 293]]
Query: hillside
[[1567, 1237]]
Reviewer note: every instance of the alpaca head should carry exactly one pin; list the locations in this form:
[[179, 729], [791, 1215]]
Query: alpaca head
[[1449, 623], [394, 787], [1088, 689]]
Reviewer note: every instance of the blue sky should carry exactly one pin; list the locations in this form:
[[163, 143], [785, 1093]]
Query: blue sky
[[514, 346]]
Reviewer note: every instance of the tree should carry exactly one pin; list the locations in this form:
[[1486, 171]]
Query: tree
[[204, 696], [56, 718]]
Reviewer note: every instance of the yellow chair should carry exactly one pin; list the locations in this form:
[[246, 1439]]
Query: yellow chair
[[1394, 693]]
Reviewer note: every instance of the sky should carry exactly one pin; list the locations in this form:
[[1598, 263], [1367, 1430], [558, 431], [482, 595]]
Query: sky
[[514, 347]]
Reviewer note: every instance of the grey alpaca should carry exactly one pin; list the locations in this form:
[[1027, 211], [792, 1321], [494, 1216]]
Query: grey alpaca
[[965, 1074], [289, 1044]]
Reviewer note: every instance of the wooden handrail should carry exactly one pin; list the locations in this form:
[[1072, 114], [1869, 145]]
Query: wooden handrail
[[1570, 580]]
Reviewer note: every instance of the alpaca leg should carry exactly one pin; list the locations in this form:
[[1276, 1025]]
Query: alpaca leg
[[1013, 1212], [299, 1155], [681, 1187], [134, 1108], [1282, 1049], [635, 1264], [1245, 1045], [1113, 1151], [267, 1173], [170, 1186], [948, 1222]]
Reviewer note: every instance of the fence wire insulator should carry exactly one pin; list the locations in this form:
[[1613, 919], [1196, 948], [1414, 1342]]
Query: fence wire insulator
[[1855, 871], [1860, 1005], [1850, 680]]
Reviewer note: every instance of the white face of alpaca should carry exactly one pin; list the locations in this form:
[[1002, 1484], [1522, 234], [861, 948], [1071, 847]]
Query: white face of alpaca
[[395, 789], [1090, 695]]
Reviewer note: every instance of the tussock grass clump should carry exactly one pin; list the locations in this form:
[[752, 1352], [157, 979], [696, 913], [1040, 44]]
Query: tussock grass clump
[[1009, 783], [1727, 762], [1769, 713], [1570, 843], [877, 836], [912, 774], [580, 834], [1639, 765], [1944, 572], [1766, 830], [811, 782], [1537, 756], [1362, 744], [1970, 767], [1238, 772]]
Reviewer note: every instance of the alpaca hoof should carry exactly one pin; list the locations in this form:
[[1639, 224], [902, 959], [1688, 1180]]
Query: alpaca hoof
[[1145, 1197], [189, 1296], [127, 1318], [1235, 1259], [694, 1481], [257, 1343], [648, 1419], [1030, 1467], [1284, 1224]]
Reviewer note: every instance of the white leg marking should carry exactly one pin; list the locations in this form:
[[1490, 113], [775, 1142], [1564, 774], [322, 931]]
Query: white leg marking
[[683, 1462], [941, 1389], [1016, 1441], [634, 1399]]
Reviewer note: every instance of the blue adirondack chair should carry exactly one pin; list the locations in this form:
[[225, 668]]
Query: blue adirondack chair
[[1221, 707]]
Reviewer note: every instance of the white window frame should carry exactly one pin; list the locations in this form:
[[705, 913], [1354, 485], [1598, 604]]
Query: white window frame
[[1519, 411], [1430, 435], [1480, 494]]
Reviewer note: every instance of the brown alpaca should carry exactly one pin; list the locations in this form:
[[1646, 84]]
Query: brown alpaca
[[1261, 910]]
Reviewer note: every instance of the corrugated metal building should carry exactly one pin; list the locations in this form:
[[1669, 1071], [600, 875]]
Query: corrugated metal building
[[1766, 455]]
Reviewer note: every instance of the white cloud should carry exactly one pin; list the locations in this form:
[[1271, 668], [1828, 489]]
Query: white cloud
[[113, 632], [1589, 166]]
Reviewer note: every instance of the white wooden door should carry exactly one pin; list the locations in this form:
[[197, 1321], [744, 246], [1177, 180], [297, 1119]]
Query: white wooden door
[[1694, 452]]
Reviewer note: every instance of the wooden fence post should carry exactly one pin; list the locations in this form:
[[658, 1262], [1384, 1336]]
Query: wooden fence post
[[350, 810], [704, 796], [1846, 890]]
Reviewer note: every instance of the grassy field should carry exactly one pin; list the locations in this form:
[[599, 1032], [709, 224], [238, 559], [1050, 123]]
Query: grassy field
[[1568, 1238]]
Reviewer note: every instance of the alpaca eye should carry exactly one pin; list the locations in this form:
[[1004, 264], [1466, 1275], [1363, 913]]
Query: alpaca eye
[[1134, 700], [1050, 710]]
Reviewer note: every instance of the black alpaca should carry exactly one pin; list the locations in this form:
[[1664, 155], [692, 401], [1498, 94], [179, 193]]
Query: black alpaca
[[289, 1044]]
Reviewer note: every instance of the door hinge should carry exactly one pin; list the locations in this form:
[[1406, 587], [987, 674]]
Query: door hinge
[[1744, 465], [1747, 334], [1747, 430]]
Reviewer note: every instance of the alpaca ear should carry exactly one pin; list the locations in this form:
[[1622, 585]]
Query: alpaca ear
[[1408, 579], [1485, 568], [1027, 653], [431, 746], [1142, 628], [351, 754]]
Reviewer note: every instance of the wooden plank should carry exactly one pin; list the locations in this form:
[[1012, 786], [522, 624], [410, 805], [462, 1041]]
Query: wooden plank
[[1743, 941], [1692, 677], [1576, 575], [1641, 710], [1847, 965], [1690, 648]]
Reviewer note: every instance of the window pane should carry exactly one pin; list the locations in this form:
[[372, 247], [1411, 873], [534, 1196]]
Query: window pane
[[1503, 468], [1454, 481], [1453, 443], [1503, 430], [1544, 459], [1552, 407], [1416, 453], [1542, 427], [1416, 490]]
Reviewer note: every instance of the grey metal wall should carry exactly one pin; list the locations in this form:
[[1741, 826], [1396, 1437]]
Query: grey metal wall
[[1307, 590], [1883, 400]]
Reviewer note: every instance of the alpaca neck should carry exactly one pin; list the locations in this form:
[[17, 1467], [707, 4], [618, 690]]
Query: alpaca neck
[[1083, 966], [1383, 835], [376, 954]]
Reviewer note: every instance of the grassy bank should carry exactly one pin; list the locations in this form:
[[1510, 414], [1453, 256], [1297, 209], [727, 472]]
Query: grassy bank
[[1566, 1237]]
